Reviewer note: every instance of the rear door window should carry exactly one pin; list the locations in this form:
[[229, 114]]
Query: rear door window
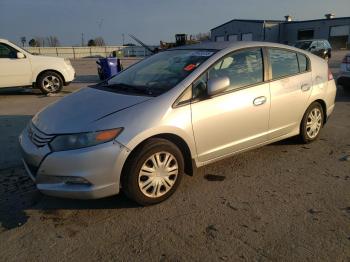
[[283, 63]]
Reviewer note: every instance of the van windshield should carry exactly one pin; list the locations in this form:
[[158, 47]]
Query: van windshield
[[160, 72]]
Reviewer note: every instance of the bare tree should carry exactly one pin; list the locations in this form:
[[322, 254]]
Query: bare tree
[[52, 41], [33, 43], [99, 41], [39, 41], [91, 42]]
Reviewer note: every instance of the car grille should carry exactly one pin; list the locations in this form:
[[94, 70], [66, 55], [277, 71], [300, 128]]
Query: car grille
[[38, 138]]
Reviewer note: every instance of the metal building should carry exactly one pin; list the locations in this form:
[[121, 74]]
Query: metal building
[[336, 30]]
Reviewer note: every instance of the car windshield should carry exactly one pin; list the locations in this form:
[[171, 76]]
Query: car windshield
[[160, 72], [303, 45]]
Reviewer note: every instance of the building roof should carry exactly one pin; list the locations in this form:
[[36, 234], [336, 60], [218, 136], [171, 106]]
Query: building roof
[[315, 20], [250, 21], [280, 21]]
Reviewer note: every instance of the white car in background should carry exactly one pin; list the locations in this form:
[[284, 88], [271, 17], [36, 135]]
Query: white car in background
[[19, 68], [344, 73]]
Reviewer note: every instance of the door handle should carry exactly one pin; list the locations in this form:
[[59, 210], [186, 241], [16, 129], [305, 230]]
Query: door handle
[[259, 101], [305, 87]]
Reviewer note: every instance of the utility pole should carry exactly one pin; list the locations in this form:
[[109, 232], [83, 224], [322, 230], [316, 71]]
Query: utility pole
[[82, 39], [123, 37]]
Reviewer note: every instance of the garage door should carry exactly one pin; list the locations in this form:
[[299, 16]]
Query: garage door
[[233, 38], [338, 36], [220, 39], [340, 30], [247, 37]]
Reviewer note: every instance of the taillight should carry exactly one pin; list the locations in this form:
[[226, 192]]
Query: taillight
[[330, 75], [346, 60]]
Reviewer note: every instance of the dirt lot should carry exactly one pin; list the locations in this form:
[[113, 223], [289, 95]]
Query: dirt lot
[[282, 202]]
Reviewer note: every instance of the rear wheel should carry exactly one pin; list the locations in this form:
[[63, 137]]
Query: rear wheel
[[50, 82], [153, 172], [312, 123]]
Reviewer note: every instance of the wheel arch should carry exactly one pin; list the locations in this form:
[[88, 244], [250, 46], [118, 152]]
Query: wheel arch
[[49, 70], [175, 139], [324, 109]]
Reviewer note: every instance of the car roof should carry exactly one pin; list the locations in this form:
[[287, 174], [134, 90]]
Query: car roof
[[230, 45]]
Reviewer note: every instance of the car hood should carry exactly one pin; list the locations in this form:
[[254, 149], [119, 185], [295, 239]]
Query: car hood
[[80, 111], [52, 59]]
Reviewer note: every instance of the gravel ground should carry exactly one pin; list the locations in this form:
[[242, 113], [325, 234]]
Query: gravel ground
[[282, 202]]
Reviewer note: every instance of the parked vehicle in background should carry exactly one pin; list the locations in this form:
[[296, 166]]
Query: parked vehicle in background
[[319, 47], [344, 73], [19, 68], [179, 109]]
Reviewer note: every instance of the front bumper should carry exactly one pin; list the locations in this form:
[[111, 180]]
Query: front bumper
[[69, 75], [99, 165]]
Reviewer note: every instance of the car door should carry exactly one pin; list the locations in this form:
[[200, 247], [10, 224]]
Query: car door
[[13, 71], [290, 88], [237, 118]]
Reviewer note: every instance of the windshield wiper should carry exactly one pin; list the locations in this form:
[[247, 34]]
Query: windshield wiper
[[138, 89]]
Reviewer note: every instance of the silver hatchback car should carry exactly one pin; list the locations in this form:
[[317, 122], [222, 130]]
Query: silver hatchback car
[[183, 108]]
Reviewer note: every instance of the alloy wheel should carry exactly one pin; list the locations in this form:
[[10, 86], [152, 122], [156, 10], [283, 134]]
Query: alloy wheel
[[51, 83]]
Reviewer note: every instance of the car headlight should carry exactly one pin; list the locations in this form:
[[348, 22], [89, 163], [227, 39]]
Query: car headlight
[[81, 140], [67, 61]]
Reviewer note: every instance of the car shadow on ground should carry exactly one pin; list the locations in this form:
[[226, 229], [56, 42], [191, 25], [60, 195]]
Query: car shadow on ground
[[18, 195], [22, 91], [19, 91]]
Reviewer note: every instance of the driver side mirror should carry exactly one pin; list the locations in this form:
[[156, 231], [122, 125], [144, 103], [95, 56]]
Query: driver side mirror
[[20, 55], [218, 85]]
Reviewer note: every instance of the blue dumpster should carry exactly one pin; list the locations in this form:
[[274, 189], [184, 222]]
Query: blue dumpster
[[108, 67]]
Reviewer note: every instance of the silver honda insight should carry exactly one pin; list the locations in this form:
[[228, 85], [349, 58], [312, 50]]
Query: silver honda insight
[[177, 110]]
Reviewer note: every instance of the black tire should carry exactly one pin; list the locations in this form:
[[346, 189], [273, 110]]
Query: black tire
[[131, 171], [304, 129], [56, 79]]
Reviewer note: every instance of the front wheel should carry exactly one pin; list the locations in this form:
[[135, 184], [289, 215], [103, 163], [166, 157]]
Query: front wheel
[[153, 172], [49, 82], [312, 123]]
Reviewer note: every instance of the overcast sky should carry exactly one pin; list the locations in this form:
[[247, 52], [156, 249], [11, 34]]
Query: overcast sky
[[149, 20]]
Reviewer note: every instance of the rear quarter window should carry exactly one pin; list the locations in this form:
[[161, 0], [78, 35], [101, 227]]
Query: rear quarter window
[[303, 63]]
